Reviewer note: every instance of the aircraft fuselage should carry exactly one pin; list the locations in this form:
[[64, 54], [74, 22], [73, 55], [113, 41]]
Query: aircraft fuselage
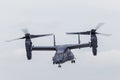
[[62, 56]]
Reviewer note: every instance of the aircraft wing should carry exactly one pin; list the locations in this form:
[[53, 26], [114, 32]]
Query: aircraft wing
[[75, 46], [49, 48]]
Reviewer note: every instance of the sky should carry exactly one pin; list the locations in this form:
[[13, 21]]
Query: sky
[[59, 17]]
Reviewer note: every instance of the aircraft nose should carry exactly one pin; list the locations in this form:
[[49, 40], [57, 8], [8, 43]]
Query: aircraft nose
[[57, 60]]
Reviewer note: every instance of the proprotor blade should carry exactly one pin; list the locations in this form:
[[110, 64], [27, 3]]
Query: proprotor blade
[[92, 31], [31, 36], [83, 33], [25, 31], [104, 34], [15, 39], [99, 25], [73, 33], [35, 36]]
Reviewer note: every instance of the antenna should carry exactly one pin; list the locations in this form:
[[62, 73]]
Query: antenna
[[54, 40], [79, 39]]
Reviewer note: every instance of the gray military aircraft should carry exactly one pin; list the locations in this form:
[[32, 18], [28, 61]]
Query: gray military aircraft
[[92, 33], [63, 52]]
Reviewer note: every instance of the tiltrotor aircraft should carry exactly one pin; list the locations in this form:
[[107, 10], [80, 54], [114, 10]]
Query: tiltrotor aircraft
[[63, 52]]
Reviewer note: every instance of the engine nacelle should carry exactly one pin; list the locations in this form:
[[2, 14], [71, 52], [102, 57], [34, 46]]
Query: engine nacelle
[[28, 45], [94, 50], [94, 44]]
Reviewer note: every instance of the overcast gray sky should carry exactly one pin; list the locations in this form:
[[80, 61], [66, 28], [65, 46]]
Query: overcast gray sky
[[52, 16]]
